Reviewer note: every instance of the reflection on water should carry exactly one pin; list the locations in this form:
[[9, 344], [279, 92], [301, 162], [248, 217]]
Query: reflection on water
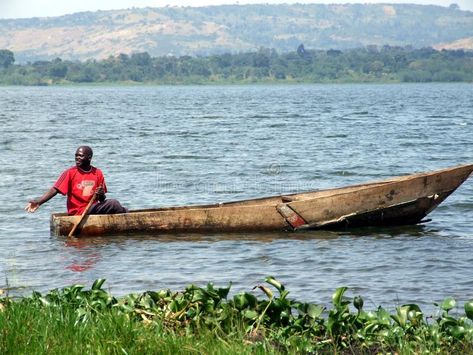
[[86, 254], [418, 230], [165, 146]]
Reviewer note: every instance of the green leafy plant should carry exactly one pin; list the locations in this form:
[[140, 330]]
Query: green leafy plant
[[274, 323]]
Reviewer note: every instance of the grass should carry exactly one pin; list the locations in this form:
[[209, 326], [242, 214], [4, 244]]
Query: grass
[[202, 320], [27, 330]]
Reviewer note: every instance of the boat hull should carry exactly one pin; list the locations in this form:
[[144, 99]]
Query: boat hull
[[397, 201]]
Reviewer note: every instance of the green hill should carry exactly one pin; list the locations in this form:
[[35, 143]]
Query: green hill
[[235, 28]]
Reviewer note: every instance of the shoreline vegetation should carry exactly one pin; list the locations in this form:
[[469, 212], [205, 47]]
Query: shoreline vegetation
[[371, 64], [206, 320]]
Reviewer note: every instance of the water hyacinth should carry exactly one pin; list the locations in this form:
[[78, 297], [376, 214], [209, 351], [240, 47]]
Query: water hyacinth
[[271, 323]]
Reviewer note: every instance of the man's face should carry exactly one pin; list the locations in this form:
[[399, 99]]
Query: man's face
[[82, 158]]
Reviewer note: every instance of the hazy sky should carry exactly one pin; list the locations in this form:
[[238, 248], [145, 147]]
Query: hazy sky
[[39, 8]]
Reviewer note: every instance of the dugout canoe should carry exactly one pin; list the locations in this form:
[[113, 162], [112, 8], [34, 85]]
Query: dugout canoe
[[397, 201]]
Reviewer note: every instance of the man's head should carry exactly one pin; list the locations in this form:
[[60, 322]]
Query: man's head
[[83, 157]]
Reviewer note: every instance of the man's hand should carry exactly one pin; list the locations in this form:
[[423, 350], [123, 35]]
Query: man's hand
[[32, 206], [100, 193]]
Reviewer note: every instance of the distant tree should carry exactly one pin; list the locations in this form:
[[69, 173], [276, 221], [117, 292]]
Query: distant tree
[[372, 48], [390, 63], [58, 69], [87, 74], [124, 58], [334, 52], [42, 67], [376, 67], [7, 58], [426, 52], [301, 50], [136, 74], [448, 76], [141, 59], [418, 76], [260, 59], [278, 72]]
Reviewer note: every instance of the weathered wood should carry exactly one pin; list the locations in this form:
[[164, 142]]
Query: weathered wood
[[82, 217], [291, 217], [401, 200], [375, 197]]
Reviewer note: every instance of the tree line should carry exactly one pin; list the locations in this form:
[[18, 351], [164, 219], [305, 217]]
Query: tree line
[[368, 64]]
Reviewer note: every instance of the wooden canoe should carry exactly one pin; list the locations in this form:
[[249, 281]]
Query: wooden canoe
[[398, 201]]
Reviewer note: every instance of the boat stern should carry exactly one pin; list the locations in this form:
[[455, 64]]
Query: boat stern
[[60, 224]]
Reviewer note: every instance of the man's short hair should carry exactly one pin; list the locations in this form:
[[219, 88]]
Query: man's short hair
[[87, 149]]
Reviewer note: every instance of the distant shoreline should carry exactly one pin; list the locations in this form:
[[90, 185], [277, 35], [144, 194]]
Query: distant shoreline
[[265, 66], [222, 83]]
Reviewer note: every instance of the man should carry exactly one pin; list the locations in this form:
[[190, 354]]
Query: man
[[80, 183]]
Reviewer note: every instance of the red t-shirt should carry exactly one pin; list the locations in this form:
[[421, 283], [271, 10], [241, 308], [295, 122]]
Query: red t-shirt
[[79, 186]]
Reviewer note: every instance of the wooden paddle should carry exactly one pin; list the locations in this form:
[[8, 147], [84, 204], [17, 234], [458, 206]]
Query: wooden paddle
[[82, 216]]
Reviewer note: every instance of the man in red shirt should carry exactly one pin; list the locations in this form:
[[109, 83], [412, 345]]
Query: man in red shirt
[[80, 183]]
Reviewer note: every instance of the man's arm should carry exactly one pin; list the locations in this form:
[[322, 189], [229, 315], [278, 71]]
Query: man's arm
[[33, 205]]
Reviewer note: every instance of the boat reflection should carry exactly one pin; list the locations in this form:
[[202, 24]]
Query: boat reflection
[[86, 257], [418, 230]]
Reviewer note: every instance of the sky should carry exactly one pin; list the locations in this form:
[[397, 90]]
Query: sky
[[42, 8]]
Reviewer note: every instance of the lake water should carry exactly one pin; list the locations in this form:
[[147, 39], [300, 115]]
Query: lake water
[[162, 146]]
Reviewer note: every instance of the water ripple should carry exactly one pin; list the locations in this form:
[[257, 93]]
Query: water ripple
[[162, 146]]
